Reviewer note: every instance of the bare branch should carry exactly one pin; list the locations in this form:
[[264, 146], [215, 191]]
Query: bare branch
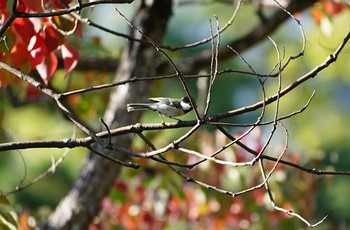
[[266, 178], [16, 14], [255, 35], [55, 163], [331, 59], [217, 34], [178, 73], [51, 93], [103, 145], [288, 212], [214, 65]]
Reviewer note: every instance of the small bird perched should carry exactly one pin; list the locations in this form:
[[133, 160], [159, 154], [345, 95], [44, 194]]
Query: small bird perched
[[164, 106]]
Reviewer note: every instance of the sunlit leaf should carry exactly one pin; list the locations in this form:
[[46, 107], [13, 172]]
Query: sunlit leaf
[[326, 26], [19, 55], [8, 217], [37, 50], [70, 58], [47, 67], [25, 28]]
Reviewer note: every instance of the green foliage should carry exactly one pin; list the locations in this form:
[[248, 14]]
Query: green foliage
[[8, 216]]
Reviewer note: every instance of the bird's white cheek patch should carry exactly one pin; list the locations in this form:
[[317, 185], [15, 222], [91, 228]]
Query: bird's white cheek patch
[[185, 106]]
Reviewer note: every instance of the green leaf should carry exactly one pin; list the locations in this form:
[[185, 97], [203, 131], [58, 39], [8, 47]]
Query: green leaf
[[8, 217]]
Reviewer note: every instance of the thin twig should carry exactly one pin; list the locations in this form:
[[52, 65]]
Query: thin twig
[[208, 39], [109, 132], [266, 178], [160, 158], [331, 59], [214, 65], [288, 212], [117, 161], [55, 163], [178, 73]]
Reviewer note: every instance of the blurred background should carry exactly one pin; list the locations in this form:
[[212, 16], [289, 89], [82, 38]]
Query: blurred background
[[318, 137]]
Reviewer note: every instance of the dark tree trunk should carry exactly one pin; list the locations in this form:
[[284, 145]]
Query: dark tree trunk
[[82, 203]]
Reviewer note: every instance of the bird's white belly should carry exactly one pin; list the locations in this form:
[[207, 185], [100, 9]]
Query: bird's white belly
[[168, 111]]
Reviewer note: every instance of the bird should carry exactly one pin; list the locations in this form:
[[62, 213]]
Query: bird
[[168, 107]]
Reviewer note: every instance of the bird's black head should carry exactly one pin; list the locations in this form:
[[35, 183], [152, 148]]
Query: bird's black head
[[186, 104]]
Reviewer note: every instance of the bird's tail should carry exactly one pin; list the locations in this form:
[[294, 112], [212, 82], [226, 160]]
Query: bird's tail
[[137, 106]]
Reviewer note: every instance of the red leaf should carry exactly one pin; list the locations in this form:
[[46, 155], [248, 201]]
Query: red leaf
[[5, 78], [34, 6], [21, 7], [47, 67], [37, 50], [2, 5], [3, 17], [121, 186], [19, 55], [24, 28], [332, 7], [79, 31], [70, 58], [52, 38], [32, 92]]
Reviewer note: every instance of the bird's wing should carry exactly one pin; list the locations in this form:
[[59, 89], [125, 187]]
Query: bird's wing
[[163, 100]]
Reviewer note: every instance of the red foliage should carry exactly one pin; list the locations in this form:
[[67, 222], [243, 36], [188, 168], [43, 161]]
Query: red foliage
[[333, 7], [326, 9], [2, 5], [24, 29], [33, 42], [146, 206], [19, 55], [52, 37], [29, 5], [70, 58], [32, 92], [121, 186], [47, 67]]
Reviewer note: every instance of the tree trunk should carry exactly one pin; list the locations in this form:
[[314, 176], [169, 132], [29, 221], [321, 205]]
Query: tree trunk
[[78, 208]]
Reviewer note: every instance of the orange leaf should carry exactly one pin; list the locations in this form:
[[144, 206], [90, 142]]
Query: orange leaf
[[5, 78], [332, 7], [317, 14], [19, 55]]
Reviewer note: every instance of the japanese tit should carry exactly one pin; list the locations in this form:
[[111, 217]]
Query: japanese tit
[[164, 106]]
